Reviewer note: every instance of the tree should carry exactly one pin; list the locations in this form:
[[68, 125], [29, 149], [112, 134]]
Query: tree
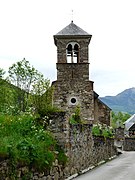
[[40, 86], [117, 119], [23, 75], [42, 95]]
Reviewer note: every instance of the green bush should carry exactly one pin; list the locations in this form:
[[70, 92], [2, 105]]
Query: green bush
[[25, 142], [102, 130], [75, 118], [96, 130]]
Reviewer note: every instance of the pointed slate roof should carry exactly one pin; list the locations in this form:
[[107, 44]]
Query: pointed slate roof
[[72, 30]]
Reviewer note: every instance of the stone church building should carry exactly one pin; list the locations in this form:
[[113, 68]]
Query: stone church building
[[73, 87]]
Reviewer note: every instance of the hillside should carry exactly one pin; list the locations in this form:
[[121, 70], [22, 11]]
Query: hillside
[[124, 101], [11, 97]]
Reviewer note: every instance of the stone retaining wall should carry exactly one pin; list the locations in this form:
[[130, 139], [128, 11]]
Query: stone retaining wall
[[80, 150], [85, 153], [129, 144], [6, 173], [83, 150], [103, 149]]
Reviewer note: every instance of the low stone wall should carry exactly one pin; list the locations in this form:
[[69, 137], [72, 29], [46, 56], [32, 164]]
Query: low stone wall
[[129, 144], [87, 151], [80, 150], [6, 172], [83, 150], [103, 149]]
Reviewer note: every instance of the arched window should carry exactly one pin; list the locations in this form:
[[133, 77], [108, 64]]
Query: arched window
[[69, 54], [76, 53], [73, 53]]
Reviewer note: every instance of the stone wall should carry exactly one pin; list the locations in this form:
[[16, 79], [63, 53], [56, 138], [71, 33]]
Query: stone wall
[[103, 149], [119, 133], [64, 91], [83, 150], [87, 151], [62, 45], [80, 150], [83, 156], [20, 173], [59, 126], [101, 112], [70, 71], [129, 144]]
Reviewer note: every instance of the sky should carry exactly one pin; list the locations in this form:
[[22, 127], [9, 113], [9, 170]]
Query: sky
[[27, 28]]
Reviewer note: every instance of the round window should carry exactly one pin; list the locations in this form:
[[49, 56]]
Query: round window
[[73, 100]]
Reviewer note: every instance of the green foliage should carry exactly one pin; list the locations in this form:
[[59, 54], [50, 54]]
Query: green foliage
[[25, 77], [2, 72], [96, 130], [8, 98], [102, 130], [42, 96], [26, 142], [75, 118], [23, 135], [117, 119], [29, 90]]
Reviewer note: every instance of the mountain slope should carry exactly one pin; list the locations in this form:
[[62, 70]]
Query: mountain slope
[[124, 101]]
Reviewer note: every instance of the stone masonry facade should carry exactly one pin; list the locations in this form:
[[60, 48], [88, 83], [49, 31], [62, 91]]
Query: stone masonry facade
[[83, 93], [101, 112], [61, 44]]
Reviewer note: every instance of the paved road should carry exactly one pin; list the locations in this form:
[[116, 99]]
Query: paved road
[[121, 168]]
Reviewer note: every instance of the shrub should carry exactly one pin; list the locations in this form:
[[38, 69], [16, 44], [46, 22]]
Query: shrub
[[26, 142], [102, 130], [96, 130], [75, 118]]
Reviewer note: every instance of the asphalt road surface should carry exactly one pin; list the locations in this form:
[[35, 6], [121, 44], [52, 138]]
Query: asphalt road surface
[[121, 168]]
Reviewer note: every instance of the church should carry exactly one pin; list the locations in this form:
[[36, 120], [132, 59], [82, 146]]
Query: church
[[73, 87]]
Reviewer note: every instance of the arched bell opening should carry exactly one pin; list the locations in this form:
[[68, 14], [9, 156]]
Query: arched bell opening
[[76, 53], [72, 53], [69, 54]]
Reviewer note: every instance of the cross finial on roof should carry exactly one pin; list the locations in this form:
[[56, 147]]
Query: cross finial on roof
[[72, 15]]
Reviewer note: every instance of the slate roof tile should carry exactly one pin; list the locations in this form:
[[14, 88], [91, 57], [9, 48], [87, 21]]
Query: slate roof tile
[[72, 29]]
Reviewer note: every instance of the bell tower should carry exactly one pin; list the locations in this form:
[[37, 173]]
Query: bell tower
[[73, 87]]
